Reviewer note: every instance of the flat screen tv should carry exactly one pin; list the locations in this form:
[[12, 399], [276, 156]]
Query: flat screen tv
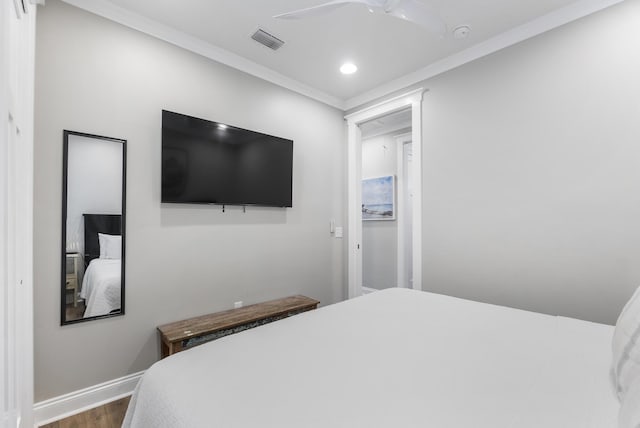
[[206, 162]]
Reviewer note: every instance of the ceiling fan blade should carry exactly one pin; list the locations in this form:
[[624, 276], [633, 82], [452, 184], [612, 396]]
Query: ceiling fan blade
[[326, 8], [420, 13]]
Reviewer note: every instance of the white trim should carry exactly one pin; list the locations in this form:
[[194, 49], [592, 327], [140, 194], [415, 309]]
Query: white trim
[[540, 25], [382, 108], [412, 100], [160, 31], [24, 224], [416, 150], [8, 411], [79, 401], [401, 140], [368, 290], [354, 207]]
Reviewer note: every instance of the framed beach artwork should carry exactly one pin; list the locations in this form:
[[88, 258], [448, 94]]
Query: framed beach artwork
[[378, 198]]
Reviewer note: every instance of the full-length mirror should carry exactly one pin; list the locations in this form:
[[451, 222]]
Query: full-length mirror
[[93, 220]]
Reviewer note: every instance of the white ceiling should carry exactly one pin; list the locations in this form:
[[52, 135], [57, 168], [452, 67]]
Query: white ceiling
[[389, 52]]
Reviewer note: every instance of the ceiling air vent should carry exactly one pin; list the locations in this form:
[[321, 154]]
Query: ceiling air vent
[[266, 39]]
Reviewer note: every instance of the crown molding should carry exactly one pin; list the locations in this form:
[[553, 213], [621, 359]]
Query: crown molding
[[540, 25], [391, 105], [168, 34]]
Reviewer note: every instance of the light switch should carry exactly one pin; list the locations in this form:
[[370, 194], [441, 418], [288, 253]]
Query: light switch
[[339, 231]]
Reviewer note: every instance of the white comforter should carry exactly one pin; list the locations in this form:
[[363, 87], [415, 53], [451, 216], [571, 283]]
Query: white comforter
[[101, 287], [394, 358]]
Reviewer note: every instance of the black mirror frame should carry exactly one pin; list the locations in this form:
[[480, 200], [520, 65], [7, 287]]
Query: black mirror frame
[[65, 161]]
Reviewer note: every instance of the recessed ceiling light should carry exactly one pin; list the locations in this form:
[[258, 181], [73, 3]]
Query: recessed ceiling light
[[348, 68], [222, 126]]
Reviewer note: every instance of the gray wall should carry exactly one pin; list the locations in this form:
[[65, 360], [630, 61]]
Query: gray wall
[[98, 77], [532, 172]]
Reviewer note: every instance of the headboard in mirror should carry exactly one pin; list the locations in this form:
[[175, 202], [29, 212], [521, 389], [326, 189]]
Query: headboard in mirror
[[95, 224], [93, 227]]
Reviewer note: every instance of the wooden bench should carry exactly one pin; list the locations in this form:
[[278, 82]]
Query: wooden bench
[[180, 335]]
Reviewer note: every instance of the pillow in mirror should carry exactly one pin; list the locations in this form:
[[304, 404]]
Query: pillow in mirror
[[110, 246]]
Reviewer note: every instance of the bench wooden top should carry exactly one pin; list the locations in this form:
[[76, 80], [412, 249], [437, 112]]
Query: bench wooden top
[[205, 324]]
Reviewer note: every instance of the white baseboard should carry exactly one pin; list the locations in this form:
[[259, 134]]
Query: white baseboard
[[75, 402], [367, 290]]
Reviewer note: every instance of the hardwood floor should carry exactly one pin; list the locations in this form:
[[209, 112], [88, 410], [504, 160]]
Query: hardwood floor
[[75, 313], [109, 415]]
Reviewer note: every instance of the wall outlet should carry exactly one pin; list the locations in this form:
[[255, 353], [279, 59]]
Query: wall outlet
[[339, 232], [237, 305]]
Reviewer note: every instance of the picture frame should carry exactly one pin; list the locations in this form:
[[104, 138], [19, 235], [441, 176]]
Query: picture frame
[[379, 198]]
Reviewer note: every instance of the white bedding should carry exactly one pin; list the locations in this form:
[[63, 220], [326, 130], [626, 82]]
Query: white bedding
[[101, 287], [394, 358]]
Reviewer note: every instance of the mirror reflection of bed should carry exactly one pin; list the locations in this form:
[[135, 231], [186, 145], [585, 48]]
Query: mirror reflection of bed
[[102, 258], [99, 283]]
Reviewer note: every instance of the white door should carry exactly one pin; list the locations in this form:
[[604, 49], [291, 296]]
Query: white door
[[407, 195], [7, 362], [17, 43]]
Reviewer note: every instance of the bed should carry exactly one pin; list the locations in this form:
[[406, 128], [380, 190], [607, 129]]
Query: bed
[[101, 287], [393, 358], [101, 282]]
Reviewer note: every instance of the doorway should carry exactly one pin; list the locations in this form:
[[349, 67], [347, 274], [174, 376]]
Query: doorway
[[412, 275], [386, 213]]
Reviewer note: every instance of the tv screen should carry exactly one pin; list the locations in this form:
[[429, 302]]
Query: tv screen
[[208, 162]]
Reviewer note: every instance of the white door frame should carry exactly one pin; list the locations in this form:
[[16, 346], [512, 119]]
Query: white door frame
[[17, 40], [411, 100], [401, 140]]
